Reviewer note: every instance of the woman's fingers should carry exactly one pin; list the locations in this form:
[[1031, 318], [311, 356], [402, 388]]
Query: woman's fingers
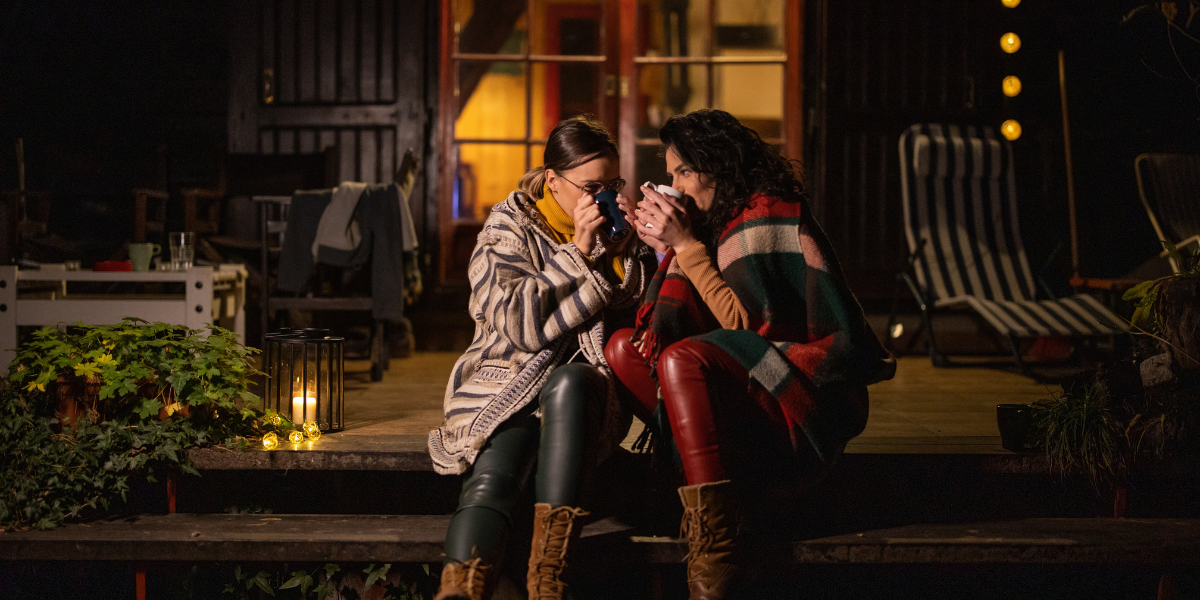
[[651, 193], [673, 202], [653, 218]]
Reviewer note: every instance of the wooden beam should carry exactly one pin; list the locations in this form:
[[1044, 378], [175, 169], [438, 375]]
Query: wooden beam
[[447, 110], [627, 94], [793, 80]]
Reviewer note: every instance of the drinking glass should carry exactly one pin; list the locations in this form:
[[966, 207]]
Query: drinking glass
[[183, 249]]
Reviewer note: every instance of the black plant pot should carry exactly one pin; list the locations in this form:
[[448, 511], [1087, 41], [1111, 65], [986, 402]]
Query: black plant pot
[[1014, 421]]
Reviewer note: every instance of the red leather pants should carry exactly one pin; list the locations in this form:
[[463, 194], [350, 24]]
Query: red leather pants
[[705, 392], [638, 389]]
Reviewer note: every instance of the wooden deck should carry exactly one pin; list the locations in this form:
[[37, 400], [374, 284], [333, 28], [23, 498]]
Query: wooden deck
[[921, 411]]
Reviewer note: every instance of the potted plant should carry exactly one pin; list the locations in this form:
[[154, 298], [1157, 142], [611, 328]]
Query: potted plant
[[1115, 421], [135, 366], [1168, 309], [111, 384]]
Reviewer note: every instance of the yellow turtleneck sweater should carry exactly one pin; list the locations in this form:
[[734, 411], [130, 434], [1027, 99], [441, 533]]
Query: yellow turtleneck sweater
[[563, 226]]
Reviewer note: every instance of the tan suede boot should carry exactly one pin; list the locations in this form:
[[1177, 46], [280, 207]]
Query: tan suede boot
[[464, 581], [710, 527], [555, 532]]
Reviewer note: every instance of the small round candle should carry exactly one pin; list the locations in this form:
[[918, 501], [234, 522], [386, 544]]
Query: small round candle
[[312, 430]]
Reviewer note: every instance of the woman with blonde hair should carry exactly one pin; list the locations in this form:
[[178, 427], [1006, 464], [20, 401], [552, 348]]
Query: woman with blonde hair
[[547, 289]]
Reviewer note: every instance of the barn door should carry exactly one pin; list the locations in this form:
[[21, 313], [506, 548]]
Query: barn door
[[309, 74]]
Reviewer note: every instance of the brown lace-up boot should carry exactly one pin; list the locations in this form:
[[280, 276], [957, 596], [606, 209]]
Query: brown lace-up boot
[[464, 581], [710, 527], [555, 532]]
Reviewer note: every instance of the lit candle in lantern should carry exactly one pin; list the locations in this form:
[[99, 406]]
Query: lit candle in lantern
[[304, 409]]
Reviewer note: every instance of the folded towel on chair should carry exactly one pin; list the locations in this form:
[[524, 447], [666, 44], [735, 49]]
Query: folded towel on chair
[[339, 229]]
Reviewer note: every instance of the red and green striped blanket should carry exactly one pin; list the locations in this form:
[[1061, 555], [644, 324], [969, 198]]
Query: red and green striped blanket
[[808, 332]]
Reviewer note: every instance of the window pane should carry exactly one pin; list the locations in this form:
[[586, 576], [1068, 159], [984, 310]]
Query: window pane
[[761, 109], [651, 166], [673, 29], [668, 90], [494, 103], [562, 91], [536, 153], [486, 174], [748, 27], [567, 28], [490, 27]]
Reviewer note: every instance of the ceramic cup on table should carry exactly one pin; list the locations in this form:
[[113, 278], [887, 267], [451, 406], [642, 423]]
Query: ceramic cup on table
[[183, 249], [141, 254]]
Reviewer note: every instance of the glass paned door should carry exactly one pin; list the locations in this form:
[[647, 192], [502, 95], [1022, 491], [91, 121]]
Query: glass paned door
[[512, 69], [691, 54], [521, 66]]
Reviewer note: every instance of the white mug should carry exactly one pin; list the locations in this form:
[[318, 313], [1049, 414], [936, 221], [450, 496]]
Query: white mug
[[665, 190]]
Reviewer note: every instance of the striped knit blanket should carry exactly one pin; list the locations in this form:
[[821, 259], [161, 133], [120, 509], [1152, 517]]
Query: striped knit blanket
[[808, 334]]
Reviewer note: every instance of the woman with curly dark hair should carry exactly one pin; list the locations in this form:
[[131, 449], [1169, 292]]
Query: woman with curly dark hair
[[759, 351]]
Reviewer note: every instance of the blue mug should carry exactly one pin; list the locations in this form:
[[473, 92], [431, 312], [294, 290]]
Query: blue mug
[[614, 219]]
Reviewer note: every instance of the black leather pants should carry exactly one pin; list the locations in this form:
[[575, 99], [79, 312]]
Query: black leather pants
[[562, 446]]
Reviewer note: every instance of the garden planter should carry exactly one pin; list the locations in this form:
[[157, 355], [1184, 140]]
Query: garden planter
[[173, 408], [1178, 311], [149, 389], [74, 398]]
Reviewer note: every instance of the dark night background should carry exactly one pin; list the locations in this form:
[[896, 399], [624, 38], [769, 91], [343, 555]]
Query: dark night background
[[132, 93]]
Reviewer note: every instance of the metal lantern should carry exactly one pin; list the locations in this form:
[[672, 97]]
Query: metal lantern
[[304, 377]]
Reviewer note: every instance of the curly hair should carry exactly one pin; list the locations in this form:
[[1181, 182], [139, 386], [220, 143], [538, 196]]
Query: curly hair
[[737, 162]]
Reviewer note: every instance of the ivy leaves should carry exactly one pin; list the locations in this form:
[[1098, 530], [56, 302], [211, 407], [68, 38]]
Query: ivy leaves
[[50, 477], [332, 581], [1145, 294], [129, 371], [137, 363]]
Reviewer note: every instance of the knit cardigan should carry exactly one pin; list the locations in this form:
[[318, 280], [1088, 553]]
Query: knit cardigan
[[531, 299]]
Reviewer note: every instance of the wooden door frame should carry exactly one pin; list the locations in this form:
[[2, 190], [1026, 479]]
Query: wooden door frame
[[793, 82], [624, 92], [555, 14]]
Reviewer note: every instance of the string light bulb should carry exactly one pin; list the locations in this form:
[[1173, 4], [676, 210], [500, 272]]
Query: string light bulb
[[1011, 129], [1010, 3], [312, 430], [295, 437], [1010, 42], [1011, 85], [272, 418], [270, 441]]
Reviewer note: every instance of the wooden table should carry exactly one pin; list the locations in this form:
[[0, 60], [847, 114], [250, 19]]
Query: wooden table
[[210, 294]]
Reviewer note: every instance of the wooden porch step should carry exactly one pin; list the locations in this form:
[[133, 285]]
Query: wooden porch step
[[409, 538], [349, 451]]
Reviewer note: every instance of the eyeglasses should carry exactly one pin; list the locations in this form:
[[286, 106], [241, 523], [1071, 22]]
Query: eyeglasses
[[596, 187]]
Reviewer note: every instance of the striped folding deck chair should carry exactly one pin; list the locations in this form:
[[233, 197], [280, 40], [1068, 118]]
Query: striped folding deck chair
[[1170, 189], [960, 220]]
